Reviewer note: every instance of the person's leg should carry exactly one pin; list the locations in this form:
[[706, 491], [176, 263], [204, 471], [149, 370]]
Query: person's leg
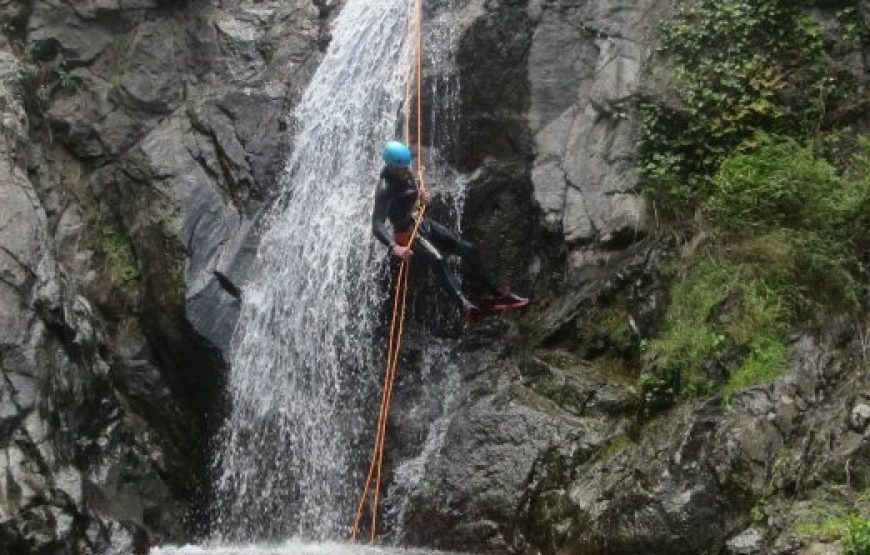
[[437, 259], [448, 241], [452, 243]]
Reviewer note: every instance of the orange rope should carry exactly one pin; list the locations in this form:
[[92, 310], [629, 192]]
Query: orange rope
[[399, 303], [383, 422], [420, 94], [406, 108], [387, 376]]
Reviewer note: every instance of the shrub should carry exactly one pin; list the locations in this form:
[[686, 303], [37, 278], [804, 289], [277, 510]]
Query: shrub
[[774, 182], [739, 66], [776, 188]]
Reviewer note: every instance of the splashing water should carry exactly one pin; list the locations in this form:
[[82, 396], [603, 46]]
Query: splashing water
[[304, 379], [290, 548], [306, 344]]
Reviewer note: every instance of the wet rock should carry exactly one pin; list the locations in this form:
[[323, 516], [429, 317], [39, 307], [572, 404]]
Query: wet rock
[[859, 417], [583, 68], [496, 443], [148, 169], [151, 81], [54, 28], [748, 542]]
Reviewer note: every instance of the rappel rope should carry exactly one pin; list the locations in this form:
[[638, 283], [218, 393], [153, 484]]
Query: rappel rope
[[397, 321]]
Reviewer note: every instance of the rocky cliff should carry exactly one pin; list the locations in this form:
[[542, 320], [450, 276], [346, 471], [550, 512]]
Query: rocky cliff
[[141, 142]]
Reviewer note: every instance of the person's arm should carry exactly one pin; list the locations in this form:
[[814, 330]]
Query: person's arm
[[379, 216]]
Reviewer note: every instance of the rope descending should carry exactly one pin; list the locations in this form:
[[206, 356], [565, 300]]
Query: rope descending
[[397, 321]]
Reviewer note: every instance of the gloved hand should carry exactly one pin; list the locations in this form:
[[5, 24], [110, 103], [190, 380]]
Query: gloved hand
[[402, 252]]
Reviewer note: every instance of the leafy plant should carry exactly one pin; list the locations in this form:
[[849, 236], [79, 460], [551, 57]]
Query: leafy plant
[[856, 540], [740, 66], [777, 188], [41, 82]]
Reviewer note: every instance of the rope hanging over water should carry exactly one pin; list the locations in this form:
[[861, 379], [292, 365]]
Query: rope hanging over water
[[400, 292]]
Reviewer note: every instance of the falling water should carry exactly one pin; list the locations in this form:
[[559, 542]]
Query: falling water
[[308, 346], [305, 348]]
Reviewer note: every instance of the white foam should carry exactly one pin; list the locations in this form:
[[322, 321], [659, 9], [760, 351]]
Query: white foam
[[288, 548]]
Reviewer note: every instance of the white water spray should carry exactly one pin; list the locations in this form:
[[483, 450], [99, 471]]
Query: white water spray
[[305, 373], [305, 346]]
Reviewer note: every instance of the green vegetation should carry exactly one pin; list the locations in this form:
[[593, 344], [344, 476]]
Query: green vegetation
[[121, 47], [856, 540], [853, 26], [122, 42], [766, 361], [115, 79], [852, 529], [41, 82], [717, 306], [806, 210], [838, 513], [740, 151], [739, 66], [115, 251]]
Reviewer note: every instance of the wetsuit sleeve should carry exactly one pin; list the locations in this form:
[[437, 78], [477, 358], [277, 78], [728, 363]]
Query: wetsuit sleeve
[[379, 216]]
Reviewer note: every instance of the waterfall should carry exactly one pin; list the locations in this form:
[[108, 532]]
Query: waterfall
[[306, 352]]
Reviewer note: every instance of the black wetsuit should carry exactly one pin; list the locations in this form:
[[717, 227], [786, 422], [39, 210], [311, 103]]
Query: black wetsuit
[[396, 200]]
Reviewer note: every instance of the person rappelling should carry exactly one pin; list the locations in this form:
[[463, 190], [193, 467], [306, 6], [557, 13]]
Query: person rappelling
[[398, 200]]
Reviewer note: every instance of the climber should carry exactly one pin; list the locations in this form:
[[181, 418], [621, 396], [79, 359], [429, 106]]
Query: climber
[[397, 199]]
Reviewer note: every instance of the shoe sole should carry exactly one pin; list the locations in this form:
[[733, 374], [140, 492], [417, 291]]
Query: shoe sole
[[501, 307]]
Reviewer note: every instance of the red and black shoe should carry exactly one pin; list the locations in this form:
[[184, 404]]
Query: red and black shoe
[[472, 313], [506, 300]]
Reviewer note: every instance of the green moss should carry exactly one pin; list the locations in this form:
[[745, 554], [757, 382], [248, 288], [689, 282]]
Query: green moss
[[121, 46], [766, 361], [122, 42], [716, 305], [612, 320], [115, 250], [613, 447], [115, 78]]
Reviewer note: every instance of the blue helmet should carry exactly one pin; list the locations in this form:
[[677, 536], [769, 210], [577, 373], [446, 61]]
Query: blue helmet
[[397, 154]]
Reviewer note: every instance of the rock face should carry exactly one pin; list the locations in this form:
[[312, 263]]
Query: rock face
[[72, 445], [141, 142], [549, 122], [546, 450]]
